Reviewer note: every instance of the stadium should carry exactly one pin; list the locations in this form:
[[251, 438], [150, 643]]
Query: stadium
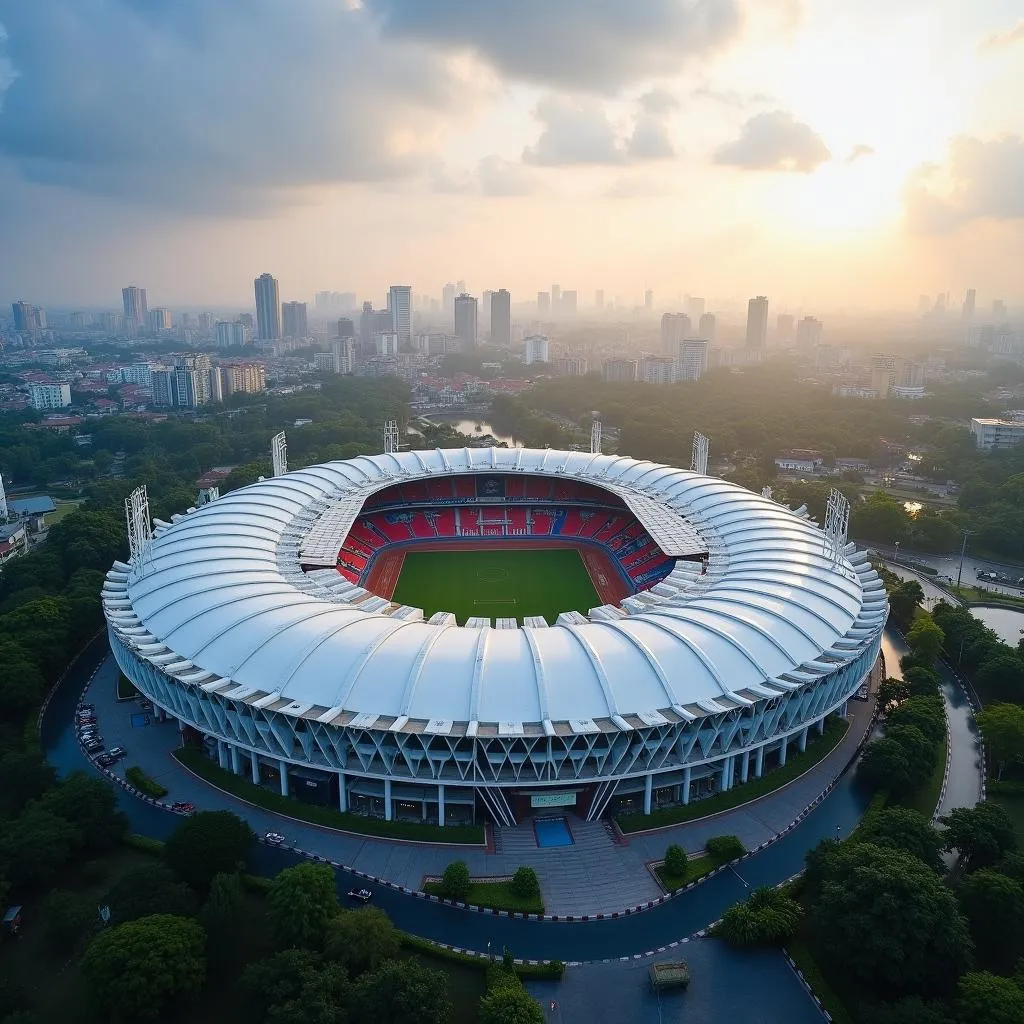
[[477, 634]]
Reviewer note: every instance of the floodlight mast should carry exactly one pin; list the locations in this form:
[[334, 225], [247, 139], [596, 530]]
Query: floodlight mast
[[699, 461], [595, 435], [391, 437], [837, 523], [279, 454], [140, 529]]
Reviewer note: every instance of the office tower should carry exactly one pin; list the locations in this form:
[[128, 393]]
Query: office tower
[[465, 320], [571, 366], [163, 387], [543, 302], [757, 322], [599, 300], [268, 308], [695, 308], [484, 307], [657, 369], [231, 334], [648, 300], [27, 317], [386, 344], [346, 327], [246, 320], [400, 305], [784, 326], [808, 333], [693, 359], [448, 294], [159, 319], [998, 308], [49, 396], [706, 327], [617, 370], [569, 302], [537, 350], [501, 317], [556, 298], [344, 351], [969, 301], [460, 288], [205, 321], [674, 328], [135, 308], [294, 323], [79, 321]]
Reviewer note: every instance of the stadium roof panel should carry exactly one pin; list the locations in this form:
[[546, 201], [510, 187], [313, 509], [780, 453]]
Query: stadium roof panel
[[222, 592]]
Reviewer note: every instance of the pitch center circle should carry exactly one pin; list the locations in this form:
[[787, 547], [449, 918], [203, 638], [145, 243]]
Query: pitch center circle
[[492, 574]]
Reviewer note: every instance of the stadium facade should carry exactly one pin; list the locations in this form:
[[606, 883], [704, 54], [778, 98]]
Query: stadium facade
[[740, 629]]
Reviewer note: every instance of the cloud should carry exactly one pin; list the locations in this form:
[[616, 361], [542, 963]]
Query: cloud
[[861, 149], [731, 98], [980, 180], [1001, 40], [774, 141], [589, 45], [658, 103], [498, 177], [637, 187], [650, 140], [229, 106]]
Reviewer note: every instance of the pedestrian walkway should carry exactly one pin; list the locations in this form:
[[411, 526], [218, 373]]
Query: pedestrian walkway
[[595, 875]]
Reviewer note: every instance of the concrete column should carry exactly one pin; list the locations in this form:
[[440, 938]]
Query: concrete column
[[440, 803], [803, 739], [745, 766], [254, 763], [342, 795], [236, 763], [821, 726], [686, 785], [387, 799], [222, 754], [648, 790], [759, 762], [723, 784], [844, 709], [284, 777], [782, 751]]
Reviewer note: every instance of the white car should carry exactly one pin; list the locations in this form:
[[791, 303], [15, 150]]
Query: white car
[[363, 895], [273, 838]]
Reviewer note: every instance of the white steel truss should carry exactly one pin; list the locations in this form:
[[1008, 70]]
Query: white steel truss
[[279, 454], [595, 436], [140, 528], [699, 460], [837, 523], [391, 437]]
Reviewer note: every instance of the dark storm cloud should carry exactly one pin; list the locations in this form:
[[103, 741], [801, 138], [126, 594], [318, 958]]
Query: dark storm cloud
[[212, 105], [591, 45], [774, 141]]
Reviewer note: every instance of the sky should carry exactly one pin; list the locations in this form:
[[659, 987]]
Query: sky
[[828, 154]]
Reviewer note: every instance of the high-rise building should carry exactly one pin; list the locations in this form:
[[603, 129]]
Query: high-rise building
[[674, 328], [205, 321], [386, 344], [571, 366], [159, 319], [599, 300], [693, 359], [371, 323], [192, 381], [400, 305], [706, 327], [657, 369], [537, 349], [49, 396], [501, 318], [346, 327], [969, 300], [248, 378], [294, 323], [448, 294], [268, 308], [135, 308], [784, 326], [79, 321], [556, 298], [569, 302], [998, 308], [163, 387], [543, 302], [28, 317], [695, 307], [231, 333], [889, 372], [344, 351], [757, 322], [648, 300], [466, 320], [808, 333], [617, 370]]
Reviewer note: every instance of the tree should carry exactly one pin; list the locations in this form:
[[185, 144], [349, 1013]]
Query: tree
[[724, 848], [90, 805], [923, 682], [455, 881], [67, 916], [890, 921], [984, 998], [904, 599], [300, 902], [1002, 727], [994, 907], [206, 844], [911, 1010], [27, 776], [676, 861], [35, 844], [1001, 677], [361, 940], [221, 918], [926, 714], [136, 970], [902, 828], [525, 883], [925, 639], [149, 890], [981, 834], [508, 1005], [899, 762], [401, 992], [891, 692], [768, 917], [278, 980]]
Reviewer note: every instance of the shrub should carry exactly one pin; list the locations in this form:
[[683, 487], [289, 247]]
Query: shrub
[[455, 881], [724, 848], [676, 860], [525, 883], [769, 917], [144, 784]]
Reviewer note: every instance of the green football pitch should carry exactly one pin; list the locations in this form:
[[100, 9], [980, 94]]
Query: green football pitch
[[502, 584]]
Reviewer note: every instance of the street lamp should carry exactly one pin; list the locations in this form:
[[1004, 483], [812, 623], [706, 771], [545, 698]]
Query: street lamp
[[963, 551]]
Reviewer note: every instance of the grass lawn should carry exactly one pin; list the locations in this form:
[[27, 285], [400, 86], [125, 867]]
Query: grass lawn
[[64, 509], [497, 895], [696, 868], [977, 595], [125, 687], [1014, 807], [202, 766], [496, 584], [800, 950], [796, 764]]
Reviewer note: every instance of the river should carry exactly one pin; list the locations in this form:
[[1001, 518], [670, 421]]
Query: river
[[469, 427], [1008, 623]]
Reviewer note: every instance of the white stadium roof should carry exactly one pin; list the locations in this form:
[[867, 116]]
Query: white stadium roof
[[222, 602]]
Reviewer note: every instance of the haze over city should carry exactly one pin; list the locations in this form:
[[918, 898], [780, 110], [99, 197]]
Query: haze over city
[[822, 153]]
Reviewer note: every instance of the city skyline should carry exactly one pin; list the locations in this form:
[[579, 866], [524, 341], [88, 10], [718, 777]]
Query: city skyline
[[750, 134]]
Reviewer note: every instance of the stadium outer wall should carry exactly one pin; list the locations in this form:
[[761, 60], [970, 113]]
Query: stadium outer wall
[[388, 775]]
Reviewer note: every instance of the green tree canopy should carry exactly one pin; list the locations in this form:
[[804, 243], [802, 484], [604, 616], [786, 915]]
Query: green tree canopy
[[994, 907], [1002, 726], [904, 829], [984, 998], [135, 971], [35, 844], [926, 714], [361, 940], [208, 843], [301, 901], [222, 917], [981, 834], [508, 1005], [455, 881], [768, 917], [925, 638], [401, 992], [90, 805], [148, 890]]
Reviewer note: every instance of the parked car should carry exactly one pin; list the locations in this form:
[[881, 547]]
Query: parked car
[[86, 707], [117, 752], [82, 719], [95, 747], [273, 838], [105, 761], [183, 807], [362, 895]]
